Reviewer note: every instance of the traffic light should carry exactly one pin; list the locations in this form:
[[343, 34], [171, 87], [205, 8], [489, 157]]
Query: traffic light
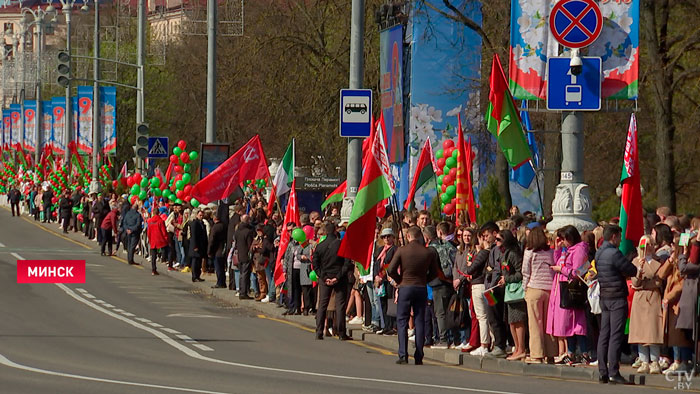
[[142, 140], [63, 69]]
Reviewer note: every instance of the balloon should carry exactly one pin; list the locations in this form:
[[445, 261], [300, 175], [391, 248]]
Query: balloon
[[80, 217], [187, 198], [179, 185], [130, 181], [135, 189], [439, 154], [445, 198], [451, 191], [453, 172], [448, 180], [449, 209], [178, 169], [172, 198], [448, 153], [155, 182], [157, 192], [441, 179], [186, 178], [134, 199], [187, 190], [381, 211], [194, 202], [247, 182], [114, 184], [179, 201], [182, 144], [451, 162], [177, 151], [194, 155], [455, 153], [173, 159], [179, 194], [441, 162], [144, 183], [187, 167], [313, 276], [164, 216], [299, 235], [184, 157], [137, 178], [448, 144], [444, 187], [143, 195]]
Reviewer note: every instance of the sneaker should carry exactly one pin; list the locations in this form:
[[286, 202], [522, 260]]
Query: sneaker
[[356, 320], [559, 358], [265, 300], [172, 269], [664, 363], [440, 345], [238, 293], [584, 359], [412, 338], [497, 352], [411, 332], [565, 359], [643, 368], [654, 368], [176, 265], [479, 352], [637, 363], [676, 366], [389, 332], [593, 363]]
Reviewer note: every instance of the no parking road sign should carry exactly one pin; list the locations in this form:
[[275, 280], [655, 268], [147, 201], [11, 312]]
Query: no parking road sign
[[576, 23]]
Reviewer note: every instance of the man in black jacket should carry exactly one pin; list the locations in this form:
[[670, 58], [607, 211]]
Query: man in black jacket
[[66, 208], [244, 236], [613, 269], [132, 224], [99, 211], [75, 198], [198, 245], [46, 198], [332, 271], [217, 243], [15, 196]]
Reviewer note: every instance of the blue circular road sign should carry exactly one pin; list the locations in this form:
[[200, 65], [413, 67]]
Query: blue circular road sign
[[576, 23]]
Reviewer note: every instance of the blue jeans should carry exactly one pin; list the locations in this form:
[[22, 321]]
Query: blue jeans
[[270, 281], [179, 255], [414, 297], [377, 318], [571, 344], [683, 354]]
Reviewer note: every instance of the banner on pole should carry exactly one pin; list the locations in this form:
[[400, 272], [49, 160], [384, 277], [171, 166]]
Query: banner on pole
[[58, 111], [30, 137], [108, 100], [15, 117], [6, 128], [84, 111], [47, 124]]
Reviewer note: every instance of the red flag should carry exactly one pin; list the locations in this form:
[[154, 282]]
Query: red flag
[[168, 175], [465, 194], [159, 174], [292, 215], [424, 172], [248, 163]]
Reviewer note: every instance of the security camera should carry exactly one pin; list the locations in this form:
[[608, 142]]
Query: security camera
[[576, 63]]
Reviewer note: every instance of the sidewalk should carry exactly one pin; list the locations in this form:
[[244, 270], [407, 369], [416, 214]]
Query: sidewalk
[[390, 343]]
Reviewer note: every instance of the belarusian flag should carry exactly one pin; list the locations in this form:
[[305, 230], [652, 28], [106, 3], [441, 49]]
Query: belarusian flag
[[465, 192], [424, 172], [503, 120], [374, 188], [122, 175], [292, 215], [631, 213], [283, 177], [336, 195]]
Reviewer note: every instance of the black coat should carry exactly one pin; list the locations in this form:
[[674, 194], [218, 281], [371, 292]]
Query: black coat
[[66, 207], [198, 239], [15, 196], [613, 270], [217, 240], [244, 239], [46, 197], [100, 210], [327, 263]]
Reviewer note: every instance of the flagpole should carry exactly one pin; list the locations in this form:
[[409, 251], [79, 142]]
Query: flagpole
[[539, 191], [394, 213]]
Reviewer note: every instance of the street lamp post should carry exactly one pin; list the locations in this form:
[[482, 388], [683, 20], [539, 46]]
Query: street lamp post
[[40, 20]]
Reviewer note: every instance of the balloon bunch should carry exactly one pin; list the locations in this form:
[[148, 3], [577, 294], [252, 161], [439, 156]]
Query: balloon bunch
[[447, 174], [251, 186], [299, 235], [104, 175], [59, 180]]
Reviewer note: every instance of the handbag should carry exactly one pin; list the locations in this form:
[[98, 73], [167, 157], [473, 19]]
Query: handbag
[[514, 292], [594, 297], [573, 294]]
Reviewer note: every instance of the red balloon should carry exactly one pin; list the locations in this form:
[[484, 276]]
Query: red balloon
[[129, 181], [447, 144], [179, 194], [187, 190], [441, 162], [137, 178], [448, 180], [449, 209], [163, 216], [178, 169], [187, 199], [134, 199], [114, 184], [381, 211], [453, 172], [185, 157], [178, 177], [444, 186], [182, 144], [173, 159], [448, 152]]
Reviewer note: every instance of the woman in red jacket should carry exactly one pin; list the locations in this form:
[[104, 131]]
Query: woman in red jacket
[[109, 229], [157, 237]]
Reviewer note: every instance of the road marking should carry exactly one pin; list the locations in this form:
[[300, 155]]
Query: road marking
[[119, 310], [155, 325], [128, 314], [15, 255], [196, 315], [89, 296], [203, 347], [81, 290], [100, 302], [143, 319], [193, 354], [2, 245], [108, 305], [185, 338], [170, 330]]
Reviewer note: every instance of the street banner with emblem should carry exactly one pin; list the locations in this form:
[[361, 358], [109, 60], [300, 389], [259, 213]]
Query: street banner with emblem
[[16, 117], [30, 137], [631, 211], [248, 163], [46, 125], [58, 109], [84, 110], [76, 119], [108, 100], [6, 128]]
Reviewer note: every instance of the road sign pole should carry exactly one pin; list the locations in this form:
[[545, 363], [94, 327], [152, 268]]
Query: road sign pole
[[354, 163]]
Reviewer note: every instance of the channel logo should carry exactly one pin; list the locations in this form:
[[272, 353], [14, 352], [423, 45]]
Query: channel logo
[[50, 271]]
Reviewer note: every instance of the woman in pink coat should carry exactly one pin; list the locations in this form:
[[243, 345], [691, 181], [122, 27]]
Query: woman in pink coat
[[567, 325]]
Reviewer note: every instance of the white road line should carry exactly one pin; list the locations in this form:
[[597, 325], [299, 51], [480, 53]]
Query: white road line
[[100, 302], [119, 310], [186, 338], [170, 330], [155, 325], [2, 245], [203, 347], [18, 257], [88, 295], [193, 354], [81, 290], [143, 319], [128, 314], [108, 305]]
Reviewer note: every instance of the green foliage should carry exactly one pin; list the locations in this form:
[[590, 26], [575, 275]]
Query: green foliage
[[493, 205], [607, 209], [435, 211]]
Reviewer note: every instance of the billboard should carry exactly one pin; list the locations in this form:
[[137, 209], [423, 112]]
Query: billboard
[[391, 90], [16, 118], [108, 118], [46, 124], [211, 157], [30, 137], [58, 110], [84, 111]]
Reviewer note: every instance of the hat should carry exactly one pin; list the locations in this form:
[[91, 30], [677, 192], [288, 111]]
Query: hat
[[387, 231]]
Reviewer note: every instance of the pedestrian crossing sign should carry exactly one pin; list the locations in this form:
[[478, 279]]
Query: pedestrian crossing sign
[[157, 147]]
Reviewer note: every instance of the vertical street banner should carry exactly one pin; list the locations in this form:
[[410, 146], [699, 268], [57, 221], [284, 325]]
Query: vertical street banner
[[74, 111], [108, 100], [58, 111], [391, 87], [47, 124], [84, 110], [6, 128], [531, 42], [16, 119], [30, 137]]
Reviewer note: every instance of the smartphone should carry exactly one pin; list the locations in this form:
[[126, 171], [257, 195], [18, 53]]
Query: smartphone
[[685, 239]]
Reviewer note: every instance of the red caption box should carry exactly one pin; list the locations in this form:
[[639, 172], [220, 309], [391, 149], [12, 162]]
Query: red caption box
[[50, 271]]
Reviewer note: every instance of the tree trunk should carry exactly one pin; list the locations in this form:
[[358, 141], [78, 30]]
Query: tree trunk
[[502, 172]]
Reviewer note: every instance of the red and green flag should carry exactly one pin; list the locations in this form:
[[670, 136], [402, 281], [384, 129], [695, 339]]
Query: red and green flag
[[631, 212], [466, 208], [503, 119], [336, 195], [424, 172], [374, 187], [291, 215], [490, 297]]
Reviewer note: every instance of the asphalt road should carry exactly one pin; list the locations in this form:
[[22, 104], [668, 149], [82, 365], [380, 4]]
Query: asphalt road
[[124, 331]]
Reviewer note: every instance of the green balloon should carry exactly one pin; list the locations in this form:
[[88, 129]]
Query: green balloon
[[451, 191], [445, 170], [135, 190], [247, 182], [155, 182], [187, 167], [144, 183], [299, 235], [157, 192], [313, 276], [439, 154], [442, 206], [172, 197], [455, 153], [179, 185], [445, 198], [143, 195], [194, 202], [186, 178], [194, 155], [451, 162], [440, 179], [177, 151], [177, 200]]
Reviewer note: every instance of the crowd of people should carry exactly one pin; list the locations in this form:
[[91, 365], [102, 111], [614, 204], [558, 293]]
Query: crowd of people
[[507, 289]]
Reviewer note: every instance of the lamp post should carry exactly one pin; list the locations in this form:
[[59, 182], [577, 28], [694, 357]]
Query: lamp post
[[40, 20]]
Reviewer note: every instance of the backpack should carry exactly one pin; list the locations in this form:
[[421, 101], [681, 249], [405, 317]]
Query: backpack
[[457, 316], [447, 253]]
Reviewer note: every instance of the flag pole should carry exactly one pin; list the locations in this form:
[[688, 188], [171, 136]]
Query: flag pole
[[539, 191], [394, 207]]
